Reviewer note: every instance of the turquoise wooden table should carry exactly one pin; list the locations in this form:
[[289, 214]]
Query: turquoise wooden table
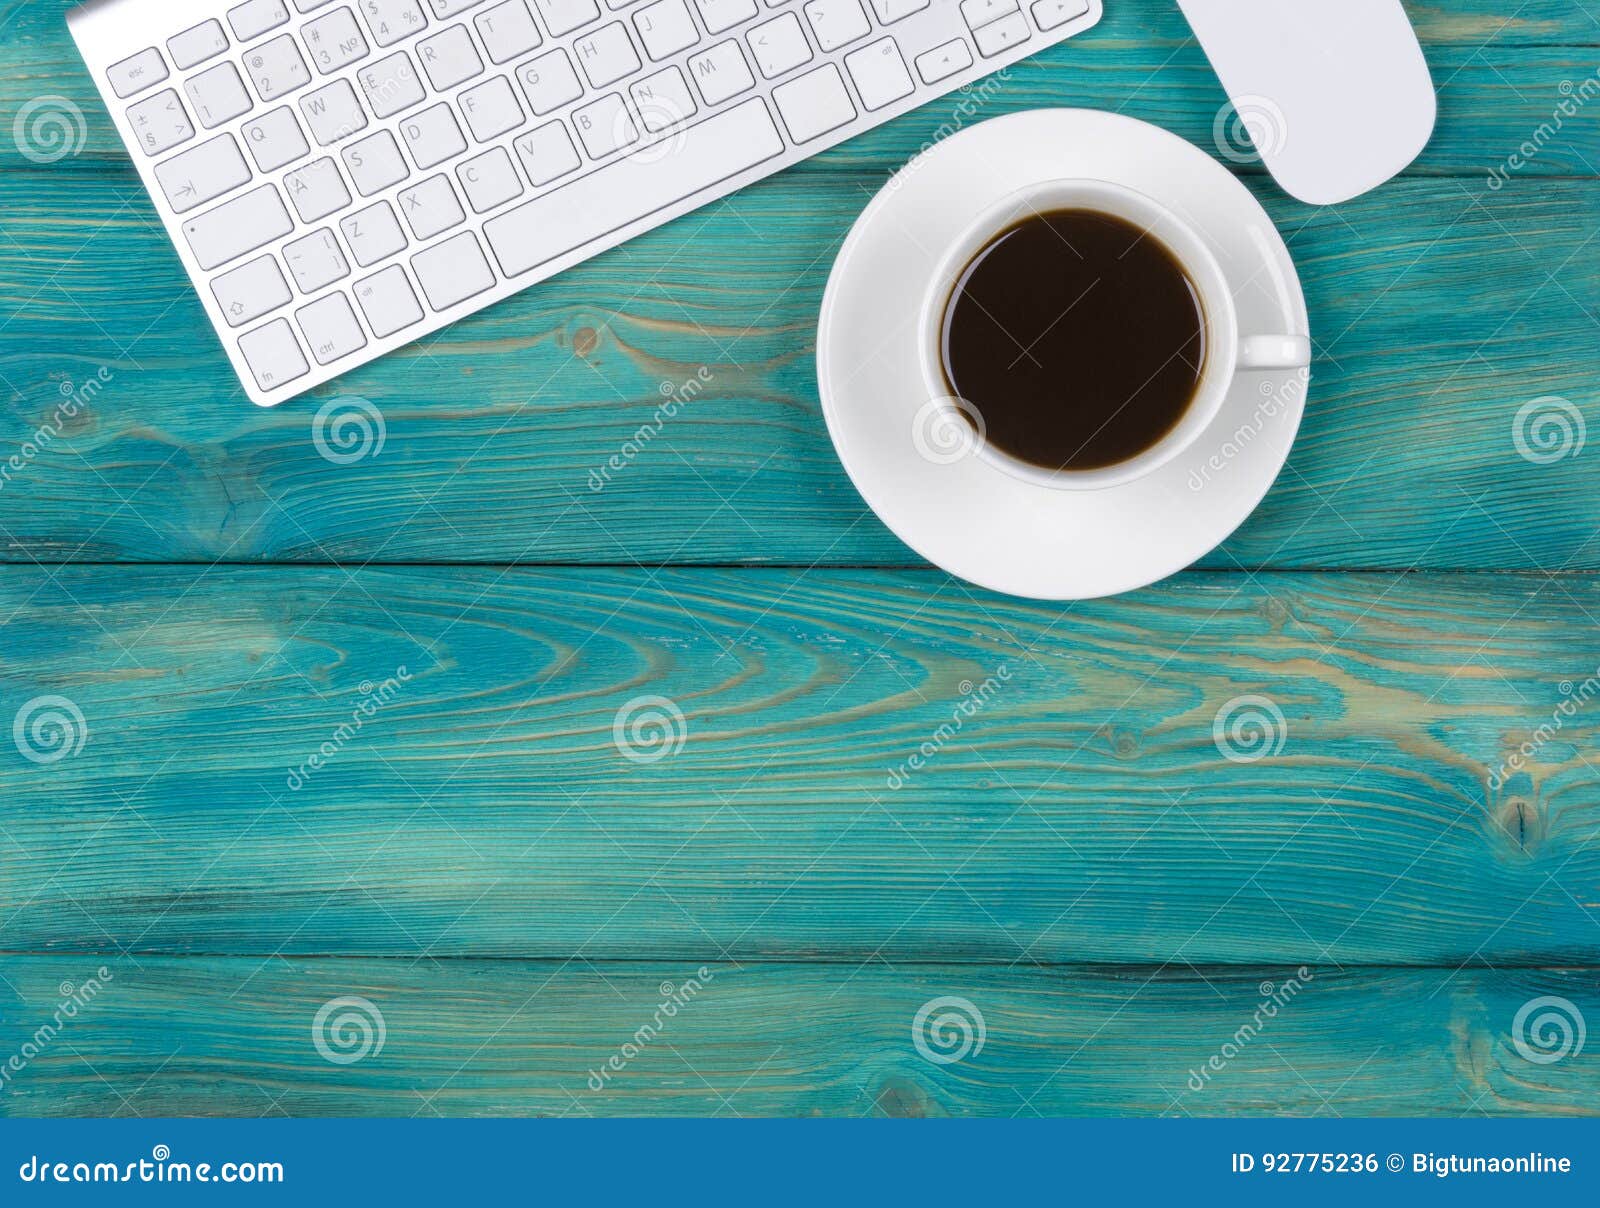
[[438, 781]]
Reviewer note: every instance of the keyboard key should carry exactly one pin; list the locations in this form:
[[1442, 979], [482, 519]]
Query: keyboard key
[[453, 271], [450, 58], [1001, 35], [315, 261], [779, 45], [316, 190], [723, 15], [605, 126], [276, 68], [274, 355], [137, 72], [720, 72], [330, 328], [814, 104], [392, 20], [375, 163], [218, 95], [445, 9], [333, 113], [564, 16], [944, 61], [633, 188], [607, 55], [665, 28], [547, 153], [430, 207], [391, 85], [508, 30], [662, 100], [388, 301], [255, 17], [890, 11], [879, 73], [1048, 14], [251, 290], [335, 40], [161, 122], [491, 109], [373, 234], [549, 82], [238, 226], [978, 13], [202, 173], [490, 180], [275, 139], [194, 46], [433, 136], [837, 22]]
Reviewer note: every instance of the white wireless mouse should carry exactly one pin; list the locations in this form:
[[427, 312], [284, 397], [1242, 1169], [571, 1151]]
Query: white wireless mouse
[[1335, 94]]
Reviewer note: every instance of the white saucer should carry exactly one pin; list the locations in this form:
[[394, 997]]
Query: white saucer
[[970, 516]]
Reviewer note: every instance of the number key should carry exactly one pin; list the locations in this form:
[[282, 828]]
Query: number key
[[276, 68], [392, 20], [335, 40]]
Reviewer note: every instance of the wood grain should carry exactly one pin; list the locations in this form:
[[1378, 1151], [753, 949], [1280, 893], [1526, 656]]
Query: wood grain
[[1439, 309], [234, 1037], [1073, 802], [1077, 858]]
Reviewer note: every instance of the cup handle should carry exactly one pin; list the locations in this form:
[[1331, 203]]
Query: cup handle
[[1274, 352]]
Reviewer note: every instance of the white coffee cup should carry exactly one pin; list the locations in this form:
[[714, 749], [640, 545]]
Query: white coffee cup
[[1227, 352]]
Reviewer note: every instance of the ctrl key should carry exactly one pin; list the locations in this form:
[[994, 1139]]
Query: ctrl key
[[330, 328], [274, 354]]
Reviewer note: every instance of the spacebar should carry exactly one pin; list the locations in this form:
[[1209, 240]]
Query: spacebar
[[633, 188]]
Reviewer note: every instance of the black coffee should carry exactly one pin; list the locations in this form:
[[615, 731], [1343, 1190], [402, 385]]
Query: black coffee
[[1077, 337]]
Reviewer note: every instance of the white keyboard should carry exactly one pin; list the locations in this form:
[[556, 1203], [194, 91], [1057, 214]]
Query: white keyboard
[[341, 178]]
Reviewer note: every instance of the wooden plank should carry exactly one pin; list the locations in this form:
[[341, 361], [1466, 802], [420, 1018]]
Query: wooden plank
[[1498, 73], [1072, 801], [220, 1036], [495, 429]]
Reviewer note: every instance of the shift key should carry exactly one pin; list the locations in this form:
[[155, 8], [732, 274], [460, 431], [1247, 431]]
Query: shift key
[[239, 226], [633, 188]]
